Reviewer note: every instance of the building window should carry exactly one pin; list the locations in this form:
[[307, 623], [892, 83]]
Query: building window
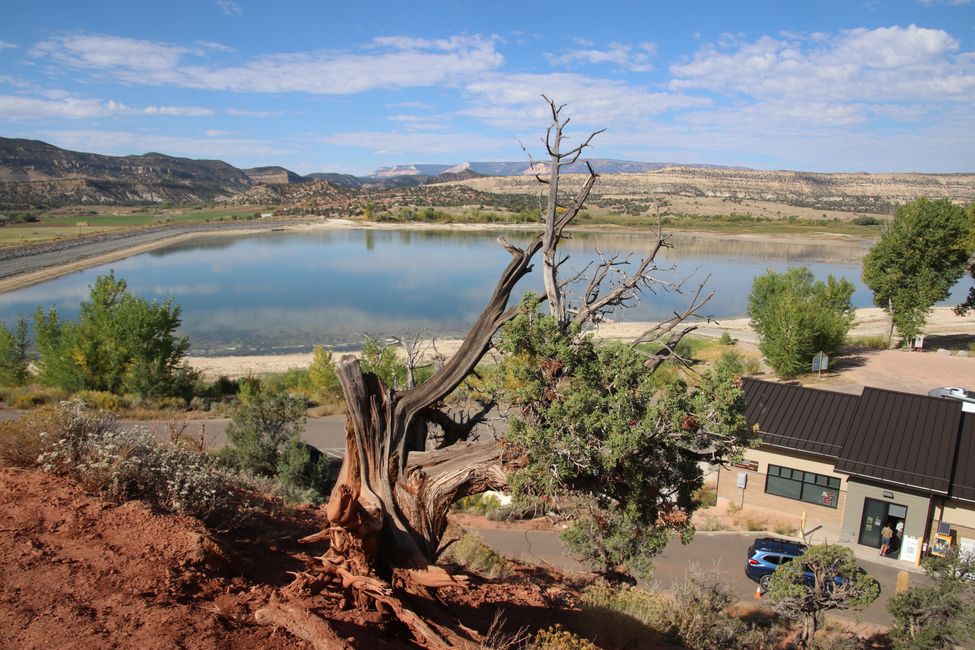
[[803, 486]]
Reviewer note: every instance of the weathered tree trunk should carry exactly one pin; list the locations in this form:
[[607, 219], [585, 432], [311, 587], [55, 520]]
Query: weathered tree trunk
[[388, 509], [889, 338]]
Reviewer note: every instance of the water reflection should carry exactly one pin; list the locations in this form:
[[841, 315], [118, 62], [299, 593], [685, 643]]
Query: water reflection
[[286, 291]]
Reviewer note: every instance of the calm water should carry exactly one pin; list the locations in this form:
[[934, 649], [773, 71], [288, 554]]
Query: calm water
[[280, 292]]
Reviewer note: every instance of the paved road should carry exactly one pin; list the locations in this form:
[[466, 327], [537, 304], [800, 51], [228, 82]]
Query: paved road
[[24, 259], [724, 551]]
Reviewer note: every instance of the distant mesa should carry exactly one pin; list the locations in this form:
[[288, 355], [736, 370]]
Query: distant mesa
[[38, 175], [273, 175]]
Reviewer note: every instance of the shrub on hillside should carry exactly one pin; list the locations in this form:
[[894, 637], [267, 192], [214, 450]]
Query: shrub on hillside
[[264, 440], [125, 464], [20, 439]]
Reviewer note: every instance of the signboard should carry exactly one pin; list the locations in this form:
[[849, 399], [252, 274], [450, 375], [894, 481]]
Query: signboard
[[909, 549], [750, 465], [820, 362], [742, 480]]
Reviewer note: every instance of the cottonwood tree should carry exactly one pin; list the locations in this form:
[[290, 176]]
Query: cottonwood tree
[[918, 259], [797, 316], [389, 507]]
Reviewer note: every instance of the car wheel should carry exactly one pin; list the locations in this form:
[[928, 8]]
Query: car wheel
[[765, 581]]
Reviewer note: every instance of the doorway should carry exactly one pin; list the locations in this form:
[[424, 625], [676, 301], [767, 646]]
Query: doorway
[[876, 515]]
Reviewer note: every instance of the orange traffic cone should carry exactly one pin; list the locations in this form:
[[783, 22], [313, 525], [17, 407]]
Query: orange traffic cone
[[758, 592]]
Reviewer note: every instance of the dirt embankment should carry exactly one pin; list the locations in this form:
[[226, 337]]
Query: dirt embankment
[[79, 572]]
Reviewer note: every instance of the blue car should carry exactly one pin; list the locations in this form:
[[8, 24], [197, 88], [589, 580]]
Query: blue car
[[766, 554]]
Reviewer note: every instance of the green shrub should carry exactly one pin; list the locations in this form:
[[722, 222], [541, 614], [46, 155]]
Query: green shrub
[[725, 339], [625, 617], [701, 618], [264, 440], [797, 316], [871, 342], [706, 496], [124, 464], [784, 528], [100, 399], [864, 220], [475, 556], [120, 343], [478, 504], [28, 397], [14, 355], [555, 638], [321, 375]]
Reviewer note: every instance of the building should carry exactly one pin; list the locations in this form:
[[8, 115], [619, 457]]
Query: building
[[857, 463]]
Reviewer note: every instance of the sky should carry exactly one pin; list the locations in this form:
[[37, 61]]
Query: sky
[[844, 86]]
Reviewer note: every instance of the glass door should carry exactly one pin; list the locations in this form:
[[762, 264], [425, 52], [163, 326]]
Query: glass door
[[874, 517]]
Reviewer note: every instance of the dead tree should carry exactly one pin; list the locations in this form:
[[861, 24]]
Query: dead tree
[[389, 507]]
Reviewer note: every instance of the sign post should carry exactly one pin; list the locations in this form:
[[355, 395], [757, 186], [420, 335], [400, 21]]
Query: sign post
[[820, 362]]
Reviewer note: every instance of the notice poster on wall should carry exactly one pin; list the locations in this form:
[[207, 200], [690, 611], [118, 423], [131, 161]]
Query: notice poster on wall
[[909, 549]]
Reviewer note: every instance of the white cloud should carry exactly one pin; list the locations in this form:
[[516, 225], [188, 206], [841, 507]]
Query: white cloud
[[627, 57], [514, 100], [216, 133], [383, 142], [61, 105], [241, 112], [421, 122], [229, 7], [389, 62], [4, 45], [884, 64]]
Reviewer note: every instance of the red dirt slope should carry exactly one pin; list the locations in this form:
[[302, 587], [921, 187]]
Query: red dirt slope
[[79, 572]]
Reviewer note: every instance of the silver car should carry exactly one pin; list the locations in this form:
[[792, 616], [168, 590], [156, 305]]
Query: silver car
[[966, 397]]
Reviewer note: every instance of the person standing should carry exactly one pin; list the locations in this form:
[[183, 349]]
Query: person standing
[[885, 536]]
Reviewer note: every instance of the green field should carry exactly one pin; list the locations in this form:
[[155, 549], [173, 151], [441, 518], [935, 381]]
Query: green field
[[60, 225]]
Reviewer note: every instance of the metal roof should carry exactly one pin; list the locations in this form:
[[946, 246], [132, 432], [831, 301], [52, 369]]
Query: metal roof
[[963, 482], [794, 417], [902, 438], [899, 438]]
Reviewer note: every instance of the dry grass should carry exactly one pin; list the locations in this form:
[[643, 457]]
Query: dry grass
[[20, 439]]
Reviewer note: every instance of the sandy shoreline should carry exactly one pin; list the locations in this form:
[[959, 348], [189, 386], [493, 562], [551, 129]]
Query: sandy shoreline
[[871, 321]]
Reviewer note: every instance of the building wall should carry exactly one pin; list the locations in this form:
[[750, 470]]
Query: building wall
[[919, 511], [961, 516], [823, 520]]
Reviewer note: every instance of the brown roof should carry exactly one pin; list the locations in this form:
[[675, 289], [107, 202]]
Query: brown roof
[[963, 482], [794, 417], [902, 438]]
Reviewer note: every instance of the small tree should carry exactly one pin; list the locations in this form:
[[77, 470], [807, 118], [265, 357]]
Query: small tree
[[797, 316], [595, 437], [14, 356], [825, 577], [321, 373], [918, 259], [264, 424], [120, 343], [940, 614], [969, 302]]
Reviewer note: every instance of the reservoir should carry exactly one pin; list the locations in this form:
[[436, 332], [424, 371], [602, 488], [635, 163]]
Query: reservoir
[[287, 291]]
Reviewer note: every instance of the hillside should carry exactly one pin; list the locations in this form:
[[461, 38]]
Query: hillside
[[273, 175], [37, 174], [845, 192], [78, 571]]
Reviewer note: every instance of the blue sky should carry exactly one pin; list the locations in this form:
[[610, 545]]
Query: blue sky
[[325, 86]]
